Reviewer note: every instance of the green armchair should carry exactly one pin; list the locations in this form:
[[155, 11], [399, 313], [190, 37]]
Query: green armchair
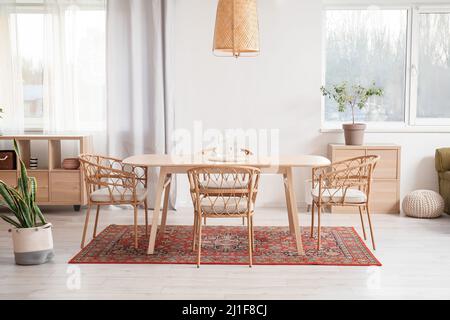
[[443, 168]]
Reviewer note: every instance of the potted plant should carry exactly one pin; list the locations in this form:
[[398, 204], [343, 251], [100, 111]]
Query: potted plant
[[31, 234], [355, 96]]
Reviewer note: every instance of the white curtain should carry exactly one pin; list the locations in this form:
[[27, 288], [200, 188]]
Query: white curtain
[[74, 66], [140, 111], [65, 41], [11, 91]]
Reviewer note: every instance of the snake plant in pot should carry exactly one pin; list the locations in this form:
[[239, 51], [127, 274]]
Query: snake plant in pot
[[31, 234], [355, 96]]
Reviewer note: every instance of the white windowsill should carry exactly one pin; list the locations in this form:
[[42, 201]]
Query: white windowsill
[[405, 129]]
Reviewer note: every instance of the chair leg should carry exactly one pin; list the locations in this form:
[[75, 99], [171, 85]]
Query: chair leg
[[243, 222], [194, 233], [136, 244], [250, 244], [312, 220], [319, 228], [86, 222], [96, 222], [362, 222], [205, 221], [371, 228], [199, 244], [146, 217], [253, 234]]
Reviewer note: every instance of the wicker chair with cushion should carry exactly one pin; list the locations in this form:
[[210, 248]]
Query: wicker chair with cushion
[[223, 192], [240, 152], [345, 183], [442, 160], [110, 182]]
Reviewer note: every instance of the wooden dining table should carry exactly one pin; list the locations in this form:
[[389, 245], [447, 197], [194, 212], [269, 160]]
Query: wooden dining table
[[170, 165]]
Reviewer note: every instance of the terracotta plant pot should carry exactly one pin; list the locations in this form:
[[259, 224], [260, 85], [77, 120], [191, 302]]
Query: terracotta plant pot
[[33, 246], [354, 134]]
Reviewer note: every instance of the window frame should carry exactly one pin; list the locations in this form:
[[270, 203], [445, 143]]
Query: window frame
[[411, 122]]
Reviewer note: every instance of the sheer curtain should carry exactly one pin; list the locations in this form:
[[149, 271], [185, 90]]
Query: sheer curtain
[[74, 66], [140, 111], [52, 65], [11, 92]]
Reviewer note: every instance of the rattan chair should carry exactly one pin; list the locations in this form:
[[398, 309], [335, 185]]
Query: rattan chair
[[244, 152], [346, 183], [110, 182], [223, 192]]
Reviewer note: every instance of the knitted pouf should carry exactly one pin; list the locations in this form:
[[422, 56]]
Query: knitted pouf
[[423, 204]]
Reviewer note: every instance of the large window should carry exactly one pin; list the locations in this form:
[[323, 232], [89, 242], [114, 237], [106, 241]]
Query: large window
[[403, 50], [56, 53], [433, 68]]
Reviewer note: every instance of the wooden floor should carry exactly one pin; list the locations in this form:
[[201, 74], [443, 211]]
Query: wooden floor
[[415, 254]]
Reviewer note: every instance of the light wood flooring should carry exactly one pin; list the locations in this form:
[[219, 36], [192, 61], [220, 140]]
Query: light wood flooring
[[415, 256]]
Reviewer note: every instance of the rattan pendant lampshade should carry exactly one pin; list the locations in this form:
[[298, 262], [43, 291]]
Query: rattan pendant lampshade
[[237, 29]]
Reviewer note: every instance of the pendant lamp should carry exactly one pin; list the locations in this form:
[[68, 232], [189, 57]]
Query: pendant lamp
[[237, 29]]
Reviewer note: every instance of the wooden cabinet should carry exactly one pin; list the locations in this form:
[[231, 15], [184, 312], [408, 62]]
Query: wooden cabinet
[[385, 196], [56, 186]]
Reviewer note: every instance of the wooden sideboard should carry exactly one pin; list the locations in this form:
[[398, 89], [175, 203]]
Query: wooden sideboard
[[385, 196], [56, 186]]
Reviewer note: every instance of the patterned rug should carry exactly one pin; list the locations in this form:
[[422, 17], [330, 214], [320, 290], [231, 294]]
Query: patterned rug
[[341, 246]]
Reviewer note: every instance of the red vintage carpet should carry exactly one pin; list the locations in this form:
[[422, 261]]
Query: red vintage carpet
[[341, 246]]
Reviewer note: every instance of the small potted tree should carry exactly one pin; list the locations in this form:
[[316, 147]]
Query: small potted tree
[[31, 234], [355, 96]]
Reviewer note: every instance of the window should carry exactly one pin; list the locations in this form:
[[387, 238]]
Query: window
[[30, 33], [405, 51], [433, 68], [363, 47], [59, 52]]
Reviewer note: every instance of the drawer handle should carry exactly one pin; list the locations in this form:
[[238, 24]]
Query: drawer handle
[[4, 159]]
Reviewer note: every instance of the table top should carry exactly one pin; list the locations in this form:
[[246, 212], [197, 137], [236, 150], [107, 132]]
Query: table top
[[295, 161], [9, 135]]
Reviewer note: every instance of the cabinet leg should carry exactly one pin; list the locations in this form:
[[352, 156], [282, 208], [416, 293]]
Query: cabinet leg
[[77, 208]]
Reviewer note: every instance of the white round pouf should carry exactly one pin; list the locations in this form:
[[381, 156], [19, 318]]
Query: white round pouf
[[424, 204]]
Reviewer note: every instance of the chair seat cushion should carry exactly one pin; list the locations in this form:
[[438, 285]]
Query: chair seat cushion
[[224, 205], [337, 195], [226, 184], [119, 194]]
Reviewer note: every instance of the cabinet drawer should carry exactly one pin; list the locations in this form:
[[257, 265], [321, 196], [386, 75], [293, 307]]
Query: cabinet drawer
[[42, 185], [385, 197], [9, 177], [65, 187], [341, 154], [387, 167]]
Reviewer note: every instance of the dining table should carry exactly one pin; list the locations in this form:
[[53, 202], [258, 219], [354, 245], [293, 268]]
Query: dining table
[[170, 165]]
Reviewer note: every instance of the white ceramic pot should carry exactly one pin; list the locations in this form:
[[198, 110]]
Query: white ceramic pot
[[33, 246]]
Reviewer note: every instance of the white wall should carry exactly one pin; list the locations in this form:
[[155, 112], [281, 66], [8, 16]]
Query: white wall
[[279, 89]]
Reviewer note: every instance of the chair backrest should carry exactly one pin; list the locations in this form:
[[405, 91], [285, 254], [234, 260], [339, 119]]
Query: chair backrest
[[111, 173], [225, 189], [355, 173]]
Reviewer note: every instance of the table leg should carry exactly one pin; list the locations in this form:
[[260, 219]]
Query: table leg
[[165, 205], [294, 212], [288, 203], [159, 191]]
